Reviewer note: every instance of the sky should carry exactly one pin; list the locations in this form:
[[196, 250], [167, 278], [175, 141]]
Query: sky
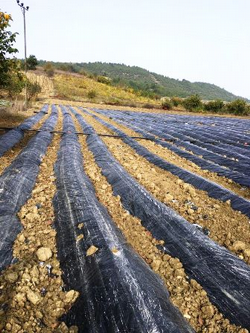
[[196, 40]]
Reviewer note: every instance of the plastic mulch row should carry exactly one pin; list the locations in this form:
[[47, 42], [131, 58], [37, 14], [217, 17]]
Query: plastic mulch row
[[214, 190], [12, 137], [223, 275], [16, 184], [118, 291]]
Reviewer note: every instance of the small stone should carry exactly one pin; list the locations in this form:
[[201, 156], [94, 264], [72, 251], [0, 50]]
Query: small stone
[[11, 277], [114, 250], [228, 202], [71, 296], [208, 311], [187, 316], [186, 186], [203, 293], [79, 237], [156, 265], [239, 246], [39, 314], [44, 253], [8, 327], [91, 250], [191, 190], [190, 211], [216, 206], [33, 297], [80, 226], [20, 297], [21, 238], [104, 187], [62, 328], [139, 176]]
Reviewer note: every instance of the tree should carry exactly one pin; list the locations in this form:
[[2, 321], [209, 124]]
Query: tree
[[238, 107], [167, 104], [192, 103], [8, 66], [31, 62], [214, 106]]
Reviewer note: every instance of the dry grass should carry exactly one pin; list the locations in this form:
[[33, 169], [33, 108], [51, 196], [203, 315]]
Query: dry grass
[[81, 88]]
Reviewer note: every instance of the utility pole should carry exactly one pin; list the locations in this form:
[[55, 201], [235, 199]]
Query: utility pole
[[24, 9]]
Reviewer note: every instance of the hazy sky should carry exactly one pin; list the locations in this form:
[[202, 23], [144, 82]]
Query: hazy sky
[[199, 40]]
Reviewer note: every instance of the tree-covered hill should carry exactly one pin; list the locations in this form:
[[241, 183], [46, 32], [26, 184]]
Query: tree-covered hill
[[150, 84]]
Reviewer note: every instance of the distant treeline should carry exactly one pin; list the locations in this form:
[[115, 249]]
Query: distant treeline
[[149, 84]]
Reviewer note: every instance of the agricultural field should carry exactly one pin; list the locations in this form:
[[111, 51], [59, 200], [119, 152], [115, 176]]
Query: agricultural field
[[124, 221]]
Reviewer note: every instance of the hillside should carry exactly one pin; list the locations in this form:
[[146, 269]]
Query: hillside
[[150, 84], [77, 87]]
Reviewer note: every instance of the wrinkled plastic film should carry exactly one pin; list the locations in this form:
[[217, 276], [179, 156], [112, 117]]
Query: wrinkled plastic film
[[145, 128], [214, 190], [118, 291], [223, 275], [16, 184], [11, 138]]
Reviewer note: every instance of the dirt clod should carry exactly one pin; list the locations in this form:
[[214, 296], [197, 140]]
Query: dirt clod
[[44, 253]]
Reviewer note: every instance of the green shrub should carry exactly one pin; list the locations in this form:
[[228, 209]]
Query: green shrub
[[238, 107], [103, 79], [33, 89], [92, 94], [176, 101], [31, 62], [192, 103], [214, 106], [15, 84], [167, 104]]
